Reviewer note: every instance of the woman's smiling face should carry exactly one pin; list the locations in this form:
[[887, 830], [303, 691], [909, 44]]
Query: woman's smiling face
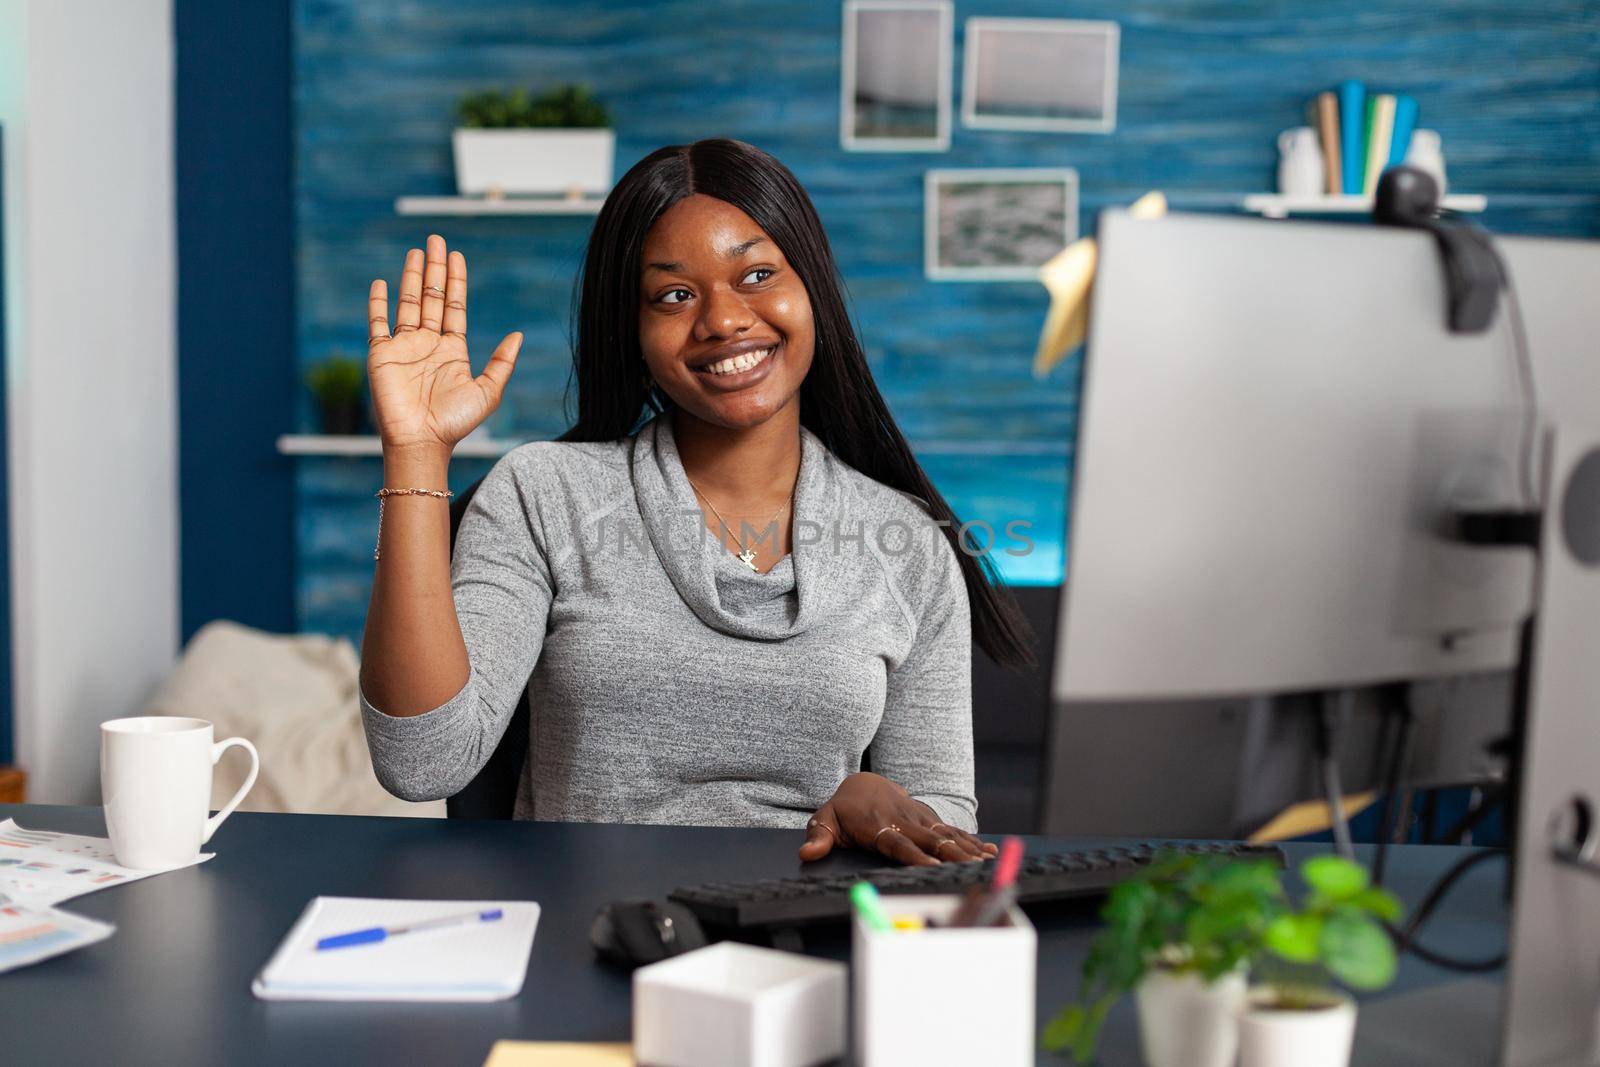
[[724, 322]]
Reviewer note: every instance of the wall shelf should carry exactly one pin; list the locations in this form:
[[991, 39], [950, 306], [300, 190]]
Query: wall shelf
[[1278, 206], [503, 205]]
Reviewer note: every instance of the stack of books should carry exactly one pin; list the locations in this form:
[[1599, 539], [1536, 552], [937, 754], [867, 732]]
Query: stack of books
[[1362, 135]]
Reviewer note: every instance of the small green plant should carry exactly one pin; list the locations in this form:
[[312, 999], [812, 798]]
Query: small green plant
[[337, 381], [572, 106], [1184, 913], [1337, 933]]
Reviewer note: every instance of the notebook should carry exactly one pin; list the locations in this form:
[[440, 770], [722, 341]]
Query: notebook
[[475, 961], [559, 1054]]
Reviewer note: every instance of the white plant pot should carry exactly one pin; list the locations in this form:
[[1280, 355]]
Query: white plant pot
[[1186, 1022], [549, 162], [1321, 1037]]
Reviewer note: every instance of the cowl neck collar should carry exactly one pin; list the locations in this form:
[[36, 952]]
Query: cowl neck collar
[[724, 593]]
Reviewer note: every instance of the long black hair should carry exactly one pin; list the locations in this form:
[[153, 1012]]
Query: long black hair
[[839, 401]]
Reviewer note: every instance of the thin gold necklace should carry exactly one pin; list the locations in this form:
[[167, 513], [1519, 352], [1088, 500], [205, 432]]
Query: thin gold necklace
[[747, 555]]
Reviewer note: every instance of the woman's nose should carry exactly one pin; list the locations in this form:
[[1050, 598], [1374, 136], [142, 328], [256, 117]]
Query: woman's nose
[[724, 313]]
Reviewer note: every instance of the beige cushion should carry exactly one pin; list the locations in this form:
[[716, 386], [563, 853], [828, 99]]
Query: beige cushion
[[293, 696]]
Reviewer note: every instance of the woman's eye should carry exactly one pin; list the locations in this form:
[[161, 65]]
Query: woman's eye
[[664, 298]]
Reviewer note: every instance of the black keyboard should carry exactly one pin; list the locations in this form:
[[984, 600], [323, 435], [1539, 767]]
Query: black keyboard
[[818, 898]]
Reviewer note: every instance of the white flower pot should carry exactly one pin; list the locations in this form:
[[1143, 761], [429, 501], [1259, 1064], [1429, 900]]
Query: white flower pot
[[1271, 1037], [1185, 1022], [553, 161]]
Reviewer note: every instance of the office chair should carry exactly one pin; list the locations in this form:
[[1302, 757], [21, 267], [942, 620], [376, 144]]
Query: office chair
[[492, 793]]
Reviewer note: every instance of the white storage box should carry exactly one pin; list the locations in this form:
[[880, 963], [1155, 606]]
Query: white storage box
[[958, 997], [734, 1005]]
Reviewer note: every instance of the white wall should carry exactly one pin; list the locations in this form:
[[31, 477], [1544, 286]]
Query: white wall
[[86, 103]]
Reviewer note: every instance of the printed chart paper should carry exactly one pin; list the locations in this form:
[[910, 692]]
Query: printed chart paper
[[28, 935], [43, 867]]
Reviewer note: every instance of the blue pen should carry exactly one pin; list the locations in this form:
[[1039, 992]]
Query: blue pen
[[374, 934]]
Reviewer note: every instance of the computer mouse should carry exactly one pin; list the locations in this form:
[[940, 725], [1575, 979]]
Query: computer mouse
[[632, 933]]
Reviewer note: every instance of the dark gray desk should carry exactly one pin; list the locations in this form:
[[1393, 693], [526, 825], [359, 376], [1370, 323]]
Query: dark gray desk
[[172, 986]]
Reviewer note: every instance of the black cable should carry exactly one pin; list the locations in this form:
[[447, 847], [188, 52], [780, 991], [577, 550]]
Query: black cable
[[1328, 761], [1527, 386], [1488, 798], [1405, 939], [1397, 701]]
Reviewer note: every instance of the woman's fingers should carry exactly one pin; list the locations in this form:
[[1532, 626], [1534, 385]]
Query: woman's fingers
[[941, 844], [822, 834], [377, 312], [495, 376], [409, 310], [897, 844], [974, 846], [433, 278], [455, 295]]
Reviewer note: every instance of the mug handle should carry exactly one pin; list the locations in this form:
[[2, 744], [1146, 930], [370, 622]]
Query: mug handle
[[250, 779]]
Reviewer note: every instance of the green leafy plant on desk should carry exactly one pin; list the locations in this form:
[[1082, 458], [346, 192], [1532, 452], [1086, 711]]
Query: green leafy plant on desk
[[1183, 934], [1336, 934], [1190, 919], [1299, 1015], [564, 106]]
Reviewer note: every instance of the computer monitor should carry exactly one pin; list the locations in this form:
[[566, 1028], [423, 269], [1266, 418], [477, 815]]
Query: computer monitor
[[1275, 429], [1273, 422]]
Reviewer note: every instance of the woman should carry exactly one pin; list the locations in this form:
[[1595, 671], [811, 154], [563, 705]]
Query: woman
[[686, 666]]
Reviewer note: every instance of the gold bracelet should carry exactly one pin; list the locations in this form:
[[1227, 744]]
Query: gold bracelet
[[384, 494]]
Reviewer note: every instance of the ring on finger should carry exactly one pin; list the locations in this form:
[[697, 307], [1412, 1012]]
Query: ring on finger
[[432, 289], [937, 845], [831, 831], [882, 831]]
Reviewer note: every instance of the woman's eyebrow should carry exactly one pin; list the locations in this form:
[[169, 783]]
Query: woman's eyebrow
[[732, 253]]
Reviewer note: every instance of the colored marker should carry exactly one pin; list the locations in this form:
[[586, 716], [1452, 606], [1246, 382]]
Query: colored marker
[[1003, 890], [864, 895]]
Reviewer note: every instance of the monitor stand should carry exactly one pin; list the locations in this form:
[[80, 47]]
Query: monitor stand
[[1552, 990], [1548, 1008]]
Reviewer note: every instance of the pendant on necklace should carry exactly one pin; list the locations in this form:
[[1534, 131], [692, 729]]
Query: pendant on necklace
[[748, 558]]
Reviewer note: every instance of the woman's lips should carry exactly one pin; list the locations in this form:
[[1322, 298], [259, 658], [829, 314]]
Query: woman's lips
[[730, 381]]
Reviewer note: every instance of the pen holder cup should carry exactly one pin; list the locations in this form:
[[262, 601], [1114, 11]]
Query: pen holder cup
[[958, 995]]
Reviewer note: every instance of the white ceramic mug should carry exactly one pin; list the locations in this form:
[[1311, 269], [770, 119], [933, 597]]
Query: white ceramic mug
[[155, 782]]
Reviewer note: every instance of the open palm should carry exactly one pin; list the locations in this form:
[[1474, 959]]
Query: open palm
[[423, 391]]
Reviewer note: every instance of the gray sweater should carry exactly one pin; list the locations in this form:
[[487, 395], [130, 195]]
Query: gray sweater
[[668, 682]]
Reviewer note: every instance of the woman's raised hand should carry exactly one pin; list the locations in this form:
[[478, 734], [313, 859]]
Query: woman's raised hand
[[424, 395]]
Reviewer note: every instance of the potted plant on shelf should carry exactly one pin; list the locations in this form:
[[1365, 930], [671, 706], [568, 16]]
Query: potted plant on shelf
[[559, 142], [1298, 1016], [339, 384], [1179, 936]]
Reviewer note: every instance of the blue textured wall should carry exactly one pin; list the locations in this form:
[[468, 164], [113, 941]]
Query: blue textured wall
[[1205, 86]]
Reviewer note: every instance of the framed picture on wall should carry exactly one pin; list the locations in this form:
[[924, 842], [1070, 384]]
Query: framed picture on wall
[[894, 82], [1040, 74], [997, 224]]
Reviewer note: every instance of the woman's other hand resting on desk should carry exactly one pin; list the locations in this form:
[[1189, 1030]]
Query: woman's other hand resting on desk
[[424, 395], [870, 812]]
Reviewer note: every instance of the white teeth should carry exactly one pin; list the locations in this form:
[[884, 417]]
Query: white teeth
[[738, 363]]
